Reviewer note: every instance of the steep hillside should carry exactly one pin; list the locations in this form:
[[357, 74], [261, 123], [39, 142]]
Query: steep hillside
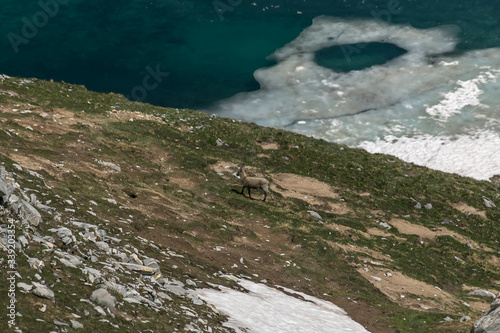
[[146, 198]]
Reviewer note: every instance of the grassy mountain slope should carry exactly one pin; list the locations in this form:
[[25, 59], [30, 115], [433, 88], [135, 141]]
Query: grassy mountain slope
[[173, 186]]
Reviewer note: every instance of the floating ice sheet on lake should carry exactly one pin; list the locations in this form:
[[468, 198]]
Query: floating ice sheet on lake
[[268, 310], [426, 92]]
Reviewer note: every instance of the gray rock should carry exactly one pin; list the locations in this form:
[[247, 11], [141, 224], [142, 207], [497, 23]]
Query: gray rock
[[92, 273], [142, 269], [18, 167], [64, 234], [67, 263], [495, 304], [116, 288], [134, 259], [68, 259], [314, 214], [162, 295], [25, 286], [6, 186], [495, 180], [488, 203], [100, 310], [36, 263], [102, 245], [103, 297], [489, 323], [22, 239], [176, 288], [75, 325], [60, 323], [482, 293], [385, 225], [428, 206], [26, 211], [465, 319], [43, 291], [132, 300]]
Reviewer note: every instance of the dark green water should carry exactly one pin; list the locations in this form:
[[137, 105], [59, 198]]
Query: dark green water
[[188, 54]]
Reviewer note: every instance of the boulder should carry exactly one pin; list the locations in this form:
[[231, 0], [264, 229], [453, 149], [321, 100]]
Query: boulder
[[490, 322], [482, 293], [43, 291], [26, 211], [103, 297], [6, 186]]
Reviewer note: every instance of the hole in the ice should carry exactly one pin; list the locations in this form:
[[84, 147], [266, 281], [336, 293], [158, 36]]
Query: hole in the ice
[[350, 57]]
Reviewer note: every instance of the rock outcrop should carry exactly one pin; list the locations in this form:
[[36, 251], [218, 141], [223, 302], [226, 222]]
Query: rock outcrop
[[119, 273], [490, 322]]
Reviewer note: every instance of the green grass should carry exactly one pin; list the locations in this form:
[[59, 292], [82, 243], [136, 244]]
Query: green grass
[[187, 139]]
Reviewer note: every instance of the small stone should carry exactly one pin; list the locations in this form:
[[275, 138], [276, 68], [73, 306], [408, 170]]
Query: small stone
[[142, 269], [60, 323], [495, 180], [488, 203], [75, 325], [428, 206], [100, 310], [103, 297], [314, 214], [25, 286], [385, 225], [132, 300], [43, 291], [26, 211], [22, 239], [66, 263], [447, 319], [134, 259], [465, 319], [113, 201], [102, 245]]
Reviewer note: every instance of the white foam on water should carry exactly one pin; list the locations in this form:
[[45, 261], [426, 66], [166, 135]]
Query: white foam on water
[[267, 310], [426, 92]]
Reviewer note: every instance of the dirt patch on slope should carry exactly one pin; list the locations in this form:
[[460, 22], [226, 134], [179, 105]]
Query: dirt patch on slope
[[466, 209], [408, 292], [268, 145], [224, 167], [308, 189], [298, 186], [123, 116], [408, 228], [354, 248]]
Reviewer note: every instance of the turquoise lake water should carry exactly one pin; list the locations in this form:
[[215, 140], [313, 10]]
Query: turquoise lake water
[[209, 55], [414, 78]]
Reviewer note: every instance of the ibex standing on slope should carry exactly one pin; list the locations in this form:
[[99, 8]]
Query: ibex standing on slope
[[254, 182]]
